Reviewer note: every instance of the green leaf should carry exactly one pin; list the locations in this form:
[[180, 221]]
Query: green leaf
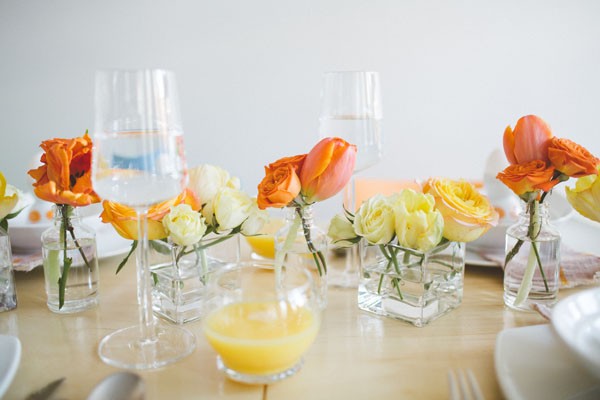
[[122, 264], [154, 278], [159, 246]]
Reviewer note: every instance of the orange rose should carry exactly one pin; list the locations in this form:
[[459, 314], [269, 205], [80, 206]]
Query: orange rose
[[528, 142], [65, 176], [327, 169], [528, 177], [280, 185], [124, 219], [571, 159]]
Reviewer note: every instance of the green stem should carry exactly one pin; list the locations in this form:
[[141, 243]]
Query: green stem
[[316, 254], [62, 281]]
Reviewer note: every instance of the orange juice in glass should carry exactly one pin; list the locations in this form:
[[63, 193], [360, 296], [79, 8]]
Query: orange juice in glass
[[261, 330], [263, 244]]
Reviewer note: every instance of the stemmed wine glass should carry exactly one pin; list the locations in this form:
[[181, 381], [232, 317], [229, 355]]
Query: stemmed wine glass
[[351, 110], [138, 161]]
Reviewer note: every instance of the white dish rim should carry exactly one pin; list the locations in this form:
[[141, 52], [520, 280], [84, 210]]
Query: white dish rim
[[561, 318], [12, 364]]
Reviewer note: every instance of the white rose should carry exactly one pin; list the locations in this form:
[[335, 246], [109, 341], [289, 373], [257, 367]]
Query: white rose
[[374, 220], [341, 231], [419, 225], [206, 181], [184, 225], [257, 218], [231, 208]]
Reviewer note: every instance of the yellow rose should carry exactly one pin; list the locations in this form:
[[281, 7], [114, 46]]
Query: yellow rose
[[374, 220], [184, 225], [206, 181], [8, 197], [467, 213], [585, 196], [231, 208], [256, 220], [341, 231], [419, 225]]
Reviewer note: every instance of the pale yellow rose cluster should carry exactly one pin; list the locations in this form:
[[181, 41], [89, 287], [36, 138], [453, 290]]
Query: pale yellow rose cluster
[[585, 196], [224, 205], [408, 216], [448, 209]]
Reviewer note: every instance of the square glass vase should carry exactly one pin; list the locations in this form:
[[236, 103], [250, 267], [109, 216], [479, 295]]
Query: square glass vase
[[411, 286], [180, 275]]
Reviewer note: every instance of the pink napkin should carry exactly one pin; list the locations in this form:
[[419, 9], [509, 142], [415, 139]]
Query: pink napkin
[[26, 262], [576, 268]]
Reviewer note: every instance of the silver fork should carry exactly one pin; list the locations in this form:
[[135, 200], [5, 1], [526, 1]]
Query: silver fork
[[463, 385]]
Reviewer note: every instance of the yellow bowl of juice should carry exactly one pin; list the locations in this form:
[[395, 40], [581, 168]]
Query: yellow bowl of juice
[[263, 244], [259, 329]]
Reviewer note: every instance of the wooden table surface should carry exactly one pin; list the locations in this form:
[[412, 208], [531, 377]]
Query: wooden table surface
[[356, 355]]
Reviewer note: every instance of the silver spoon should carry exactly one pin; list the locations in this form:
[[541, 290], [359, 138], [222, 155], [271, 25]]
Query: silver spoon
[[119, 386]]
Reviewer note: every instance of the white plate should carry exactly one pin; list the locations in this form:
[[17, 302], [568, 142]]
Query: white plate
[[10, 356], [533, 363], [576, 319]]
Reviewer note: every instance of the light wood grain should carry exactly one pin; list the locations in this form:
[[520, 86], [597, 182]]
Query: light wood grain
[[355, 356]]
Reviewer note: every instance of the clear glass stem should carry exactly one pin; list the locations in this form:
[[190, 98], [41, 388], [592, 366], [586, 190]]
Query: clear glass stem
[[144, 283]]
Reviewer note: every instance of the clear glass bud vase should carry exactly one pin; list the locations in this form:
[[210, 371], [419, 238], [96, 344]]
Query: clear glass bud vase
[[70, 262], [532, 263], [8, 295], [295, 246]]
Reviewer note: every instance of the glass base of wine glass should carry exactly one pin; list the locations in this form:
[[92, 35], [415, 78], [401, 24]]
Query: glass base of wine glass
[[126, 349], [257, 379]]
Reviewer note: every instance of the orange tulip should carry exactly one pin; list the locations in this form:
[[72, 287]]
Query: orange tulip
[[281, 183], [528, 142], [327, 169], [124, 219], [529, 177], [65, 176], [571, 159]]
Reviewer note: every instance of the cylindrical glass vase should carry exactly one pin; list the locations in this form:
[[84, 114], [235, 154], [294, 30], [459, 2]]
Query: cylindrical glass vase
[[70, 263], [531, 270], [298, 252]]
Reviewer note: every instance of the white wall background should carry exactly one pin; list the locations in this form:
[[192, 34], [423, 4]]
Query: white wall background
[[453, 74]]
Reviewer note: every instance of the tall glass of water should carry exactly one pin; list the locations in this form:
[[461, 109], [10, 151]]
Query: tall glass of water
[[351, 110], [138, 161]]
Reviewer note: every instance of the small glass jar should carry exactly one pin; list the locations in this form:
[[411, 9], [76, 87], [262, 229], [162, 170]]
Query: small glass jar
[[70, 262], [532, 248], [181, 273], [8, 295], [413, 286], [298, 252]]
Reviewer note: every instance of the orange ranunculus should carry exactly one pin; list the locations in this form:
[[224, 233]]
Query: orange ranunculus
[[280, 185], [295, 161], [327, 169], [124, 219], [467, 213], [65, 176], [528, 177], [571, 159], [529, 140]]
